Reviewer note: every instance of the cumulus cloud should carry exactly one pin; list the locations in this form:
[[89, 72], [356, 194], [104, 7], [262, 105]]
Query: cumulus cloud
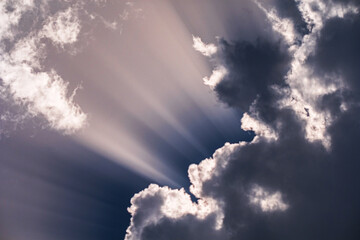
[[260, 128], [299, 176], [42, 93], [267, 75], [161, 206], [244, 70]]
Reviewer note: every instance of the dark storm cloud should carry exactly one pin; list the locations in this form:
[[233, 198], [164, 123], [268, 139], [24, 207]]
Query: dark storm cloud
[[316, 184], [338, 50], [303, 189], [346, 2], [337, 55], [189, 228], [289, 9], [252, 69], [322, 187]]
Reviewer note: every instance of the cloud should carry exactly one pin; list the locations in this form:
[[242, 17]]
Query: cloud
[[298, 178], [42, 93], [282, 25], [216, 77], [269, 76], [268, 202], [260, 189], [206, 49], [336, 51], [244, 70], [163, 206], [348, 2], [63, 28], [261, 129], [210, 50], [10, 14], [288, 9]]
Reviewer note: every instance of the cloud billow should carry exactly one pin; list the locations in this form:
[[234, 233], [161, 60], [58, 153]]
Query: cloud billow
[[24, 81], [298, 179], [337, 50], [28, 31], [290, 9], [252, 69]]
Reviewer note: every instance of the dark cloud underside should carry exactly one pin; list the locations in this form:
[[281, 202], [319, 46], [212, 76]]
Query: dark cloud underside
[[338, 50], [253, 68], [320, 184], [289, 9]]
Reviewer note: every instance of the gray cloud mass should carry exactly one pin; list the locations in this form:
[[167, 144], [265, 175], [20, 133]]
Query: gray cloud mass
[[302, 182]]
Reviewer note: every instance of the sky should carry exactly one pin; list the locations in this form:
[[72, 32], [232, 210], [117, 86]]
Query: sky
[[165, 119]]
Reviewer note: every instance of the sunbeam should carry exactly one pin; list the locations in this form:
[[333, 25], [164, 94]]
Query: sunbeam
[[154, 98], [167, 119]]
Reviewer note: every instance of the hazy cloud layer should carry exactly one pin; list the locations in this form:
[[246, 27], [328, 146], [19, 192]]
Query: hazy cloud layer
[[298, 179]]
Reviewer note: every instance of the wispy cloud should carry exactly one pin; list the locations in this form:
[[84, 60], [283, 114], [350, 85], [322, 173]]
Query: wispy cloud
[[63, 28], [42, 93]]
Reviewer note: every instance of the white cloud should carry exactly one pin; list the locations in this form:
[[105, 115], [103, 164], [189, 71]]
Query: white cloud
[[206, 49], [305, 88], [217, 75], [210, 167], [27, 51], [62, 28], [268, 202], [42, 93], [283, 26], [262, 130], [9, 19], [210, 50], [154, 203]]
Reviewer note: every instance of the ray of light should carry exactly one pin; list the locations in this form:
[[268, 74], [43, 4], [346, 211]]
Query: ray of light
[[147, 78]]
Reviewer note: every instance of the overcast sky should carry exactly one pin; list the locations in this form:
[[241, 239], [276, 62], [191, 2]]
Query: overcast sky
[[161, 119]]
